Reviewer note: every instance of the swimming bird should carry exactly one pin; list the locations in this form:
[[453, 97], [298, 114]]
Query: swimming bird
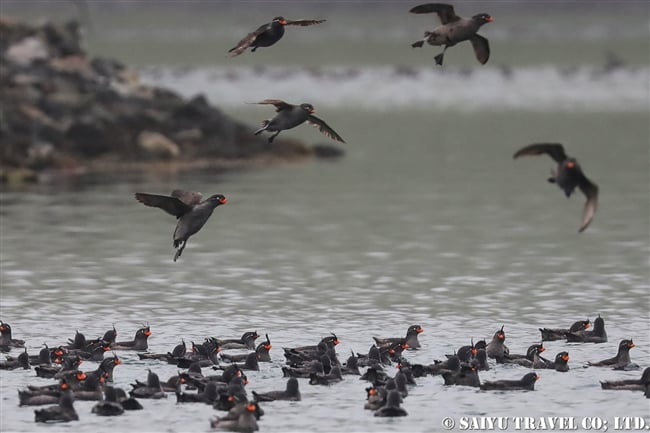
[[629, 384], [62, 412], [622, 359], [527, 382], [291, 393], [239, 420], [552, 334], [268, 34], [454, 29], [496, 349], [597, 335], [139, 341], [411, 338], [187, 207], [392, 407], [289, 116], [568, 175]]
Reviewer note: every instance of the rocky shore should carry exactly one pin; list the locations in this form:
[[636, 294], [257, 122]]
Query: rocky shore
[[64, 111]]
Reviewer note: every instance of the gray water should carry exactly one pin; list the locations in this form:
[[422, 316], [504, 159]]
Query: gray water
[[426, 220]]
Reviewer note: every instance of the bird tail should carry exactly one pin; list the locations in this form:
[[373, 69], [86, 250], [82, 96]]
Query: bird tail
[[265, 124]]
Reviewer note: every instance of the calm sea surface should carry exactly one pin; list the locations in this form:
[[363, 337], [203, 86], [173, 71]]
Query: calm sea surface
[[427, 219]]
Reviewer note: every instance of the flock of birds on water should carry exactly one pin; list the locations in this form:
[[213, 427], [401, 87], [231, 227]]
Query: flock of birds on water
[[316, 364]]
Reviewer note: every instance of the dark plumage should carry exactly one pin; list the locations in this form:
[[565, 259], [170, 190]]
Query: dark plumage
[[552, 334], [568, 175], [187, 207], [454, 29], [268, 34], [496, 349], [621, 360], [6, 339], [247, 341], [466, 376], [242, 417], [629, 384], [22, 361], [152, 389], [289, 116], [392, 407], [596, 335], [411, 338], [526, 383], [62, 412], [139, 341], [110, 406], [291, 393]]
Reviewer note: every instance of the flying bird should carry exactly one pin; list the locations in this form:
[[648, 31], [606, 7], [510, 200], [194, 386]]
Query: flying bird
[[187, 207], [454, 29], [567, 176], [268, 34], [289, 116]]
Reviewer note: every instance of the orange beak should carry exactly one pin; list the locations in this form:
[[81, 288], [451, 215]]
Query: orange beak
[[118, 361], [565, 358], [570, 164], [223, 200], [283, 22], [267, 347], [489, 19], [420, 330], [147, 332]]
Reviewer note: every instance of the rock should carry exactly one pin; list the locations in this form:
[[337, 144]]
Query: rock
[[157, 146], [62, 109], [26, 51]]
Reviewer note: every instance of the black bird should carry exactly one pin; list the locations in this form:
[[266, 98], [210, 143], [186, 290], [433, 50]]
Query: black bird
[[247, 341], [6, 340], [22, 361], [526, 383], [568, 175], [152, 389], [139, 341], [187, 207], [268, 34], [622, 359], [261, 351], [291, 393], [629, 384], [63, 412], [597, 335], [326, 379], [392, 407], [239, 420], [495, 348], [411, 338], [289, 116], [561, 362], [552, 334], [454, 29], [467, 376], [110, 406]]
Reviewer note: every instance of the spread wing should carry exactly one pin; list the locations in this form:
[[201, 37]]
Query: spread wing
[[278, 103], [554, 150], [190, 198], [481, 48], [248, 40], [590, 190], [303, 23], [324, 128], [445, 12], [171, 205]]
